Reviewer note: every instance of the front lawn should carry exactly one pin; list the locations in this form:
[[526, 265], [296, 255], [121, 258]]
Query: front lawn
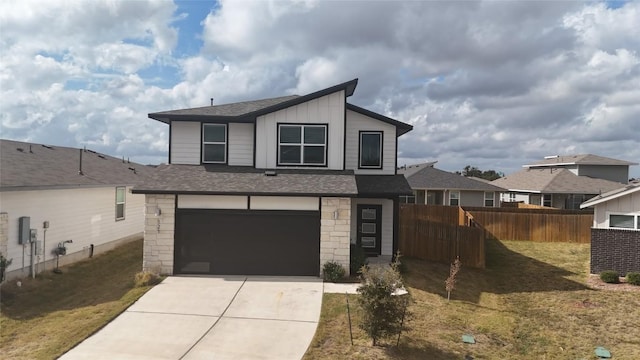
[[530, 303], [48, 315]]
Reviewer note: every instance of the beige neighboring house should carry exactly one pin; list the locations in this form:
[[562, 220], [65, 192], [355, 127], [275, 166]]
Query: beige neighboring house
[[438, 187], [564, 182], [615, 235], [60, 194]]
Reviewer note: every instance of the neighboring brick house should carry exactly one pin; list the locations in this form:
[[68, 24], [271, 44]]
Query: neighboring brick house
[[62, 194], [615, 235], [273, 187], [564, 182], [438, 187]]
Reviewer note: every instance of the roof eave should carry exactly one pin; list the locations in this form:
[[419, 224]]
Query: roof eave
[[181, 192], [403, 128]]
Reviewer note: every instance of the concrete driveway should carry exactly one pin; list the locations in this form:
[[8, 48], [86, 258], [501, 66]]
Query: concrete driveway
[[232, 317]]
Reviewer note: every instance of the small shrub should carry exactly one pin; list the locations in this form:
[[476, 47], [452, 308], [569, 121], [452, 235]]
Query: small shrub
[[450, 283], [332, 271], [383, 312], [357, 260], [610, 277], [633, 278], [146, 278]]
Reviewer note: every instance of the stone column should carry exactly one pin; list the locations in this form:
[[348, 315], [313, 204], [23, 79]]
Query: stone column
[[159, 234], [335, 228]]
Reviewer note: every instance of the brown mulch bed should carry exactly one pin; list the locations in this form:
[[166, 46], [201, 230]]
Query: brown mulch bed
[[594, 282]]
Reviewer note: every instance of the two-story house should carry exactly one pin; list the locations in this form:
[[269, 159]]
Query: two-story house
[[564, 181], [277, 186]]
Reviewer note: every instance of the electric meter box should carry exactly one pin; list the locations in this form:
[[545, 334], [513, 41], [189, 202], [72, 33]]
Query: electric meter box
[[38, 247], [24, 230]]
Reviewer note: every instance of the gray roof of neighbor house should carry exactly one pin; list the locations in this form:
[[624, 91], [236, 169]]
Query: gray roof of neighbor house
[[580, 159], [428, 177], [27, 166], [614, 194], [248, 111], [408, 170], [218, 180], [554, 180]]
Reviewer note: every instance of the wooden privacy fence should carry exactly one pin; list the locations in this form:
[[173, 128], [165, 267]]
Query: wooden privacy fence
[[439, 241], [540, 225]]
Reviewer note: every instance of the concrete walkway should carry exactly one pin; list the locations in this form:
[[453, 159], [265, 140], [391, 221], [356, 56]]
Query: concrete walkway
[[232, 317]]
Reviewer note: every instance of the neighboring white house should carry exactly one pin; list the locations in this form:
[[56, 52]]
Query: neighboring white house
[[60, 194], [276, 186], [615, 235], [564, 182]]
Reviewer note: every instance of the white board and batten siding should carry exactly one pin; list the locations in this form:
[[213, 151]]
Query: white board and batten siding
[[233, 202], [186, 141], [624, 205], [85, 215], [357, 122], [387, 222], [328, 109]]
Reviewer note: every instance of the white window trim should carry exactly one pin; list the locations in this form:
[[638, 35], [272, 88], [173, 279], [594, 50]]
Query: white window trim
[[381, 137], [492, 198], [123, 203], [459, 197], [512, 197], [215, 143], [635, 220], [302, 144]]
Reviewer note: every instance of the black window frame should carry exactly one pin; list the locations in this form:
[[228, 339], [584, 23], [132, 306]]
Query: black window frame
[[226, 143], [376, 132], [303, 145]]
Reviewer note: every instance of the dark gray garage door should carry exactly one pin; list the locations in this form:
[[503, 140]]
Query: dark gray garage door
[[243, 242]]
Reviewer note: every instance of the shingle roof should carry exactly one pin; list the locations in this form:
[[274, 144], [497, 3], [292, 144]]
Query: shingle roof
[[610, 195], [248, 110], [408, 170], [383, 185], [25, 166], [432, 178], [555, 180], [580, 159], [205, 179]]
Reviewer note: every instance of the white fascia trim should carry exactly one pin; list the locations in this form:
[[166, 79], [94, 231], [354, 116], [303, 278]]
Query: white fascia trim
[[596, 201]]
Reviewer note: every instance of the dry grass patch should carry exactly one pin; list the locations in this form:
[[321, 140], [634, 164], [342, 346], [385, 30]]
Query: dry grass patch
[[532, 302], [50, 314]]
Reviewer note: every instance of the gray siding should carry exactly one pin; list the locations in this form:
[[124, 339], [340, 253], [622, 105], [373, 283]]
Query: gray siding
[[357, 122], [185, 143], [240, 144], [608, 172]]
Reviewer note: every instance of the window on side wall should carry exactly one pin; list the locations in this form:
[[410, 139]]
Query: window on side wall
[[488, 199], [120, 202], [302, 145], [214, 143], [370, 150], [407, 199], [624, 221], [512, 197], [454, 198], [546, 200]]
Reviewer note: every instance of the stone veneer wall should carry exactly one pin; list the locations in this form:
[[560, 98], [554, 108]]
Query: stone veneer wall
[[335, 234], [159, 234], [613, 249]]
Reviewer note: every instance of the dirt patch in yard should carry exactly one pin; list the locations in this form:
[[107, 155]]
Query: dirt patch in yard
[[594, 282]]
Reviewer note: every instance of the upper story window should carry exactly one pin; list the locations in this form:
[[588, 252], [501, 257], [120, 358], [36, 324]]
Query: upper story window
[[302, 145], [370, 150], [454, 198], [626, 221], [214, 143], [120, 202], [488, 199]]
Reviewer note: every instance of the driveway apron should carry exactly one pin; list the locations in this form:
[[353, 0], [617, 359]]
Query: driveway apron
[[230, 317]]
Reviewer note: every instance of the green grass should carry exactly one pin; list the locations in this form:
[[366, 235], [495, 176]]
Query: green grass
[[530, 303], [50, 314]]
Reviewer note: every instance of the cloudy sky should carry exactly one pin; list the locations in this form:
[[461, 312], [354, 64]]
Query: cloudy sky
[[490, 84]]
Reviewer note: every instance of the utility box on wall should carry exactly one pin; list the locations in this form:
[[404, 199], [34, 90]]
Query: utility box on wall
[[24, 230]]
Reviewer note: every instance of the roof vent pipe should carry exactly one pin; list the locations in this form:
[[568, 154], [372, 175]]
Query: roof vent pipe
[[80, 165], [211, 101], [31, 151]]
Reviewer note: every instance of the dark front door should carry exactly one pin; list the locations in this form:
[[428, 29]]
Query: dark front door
[[243, 242], [369, 228]]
